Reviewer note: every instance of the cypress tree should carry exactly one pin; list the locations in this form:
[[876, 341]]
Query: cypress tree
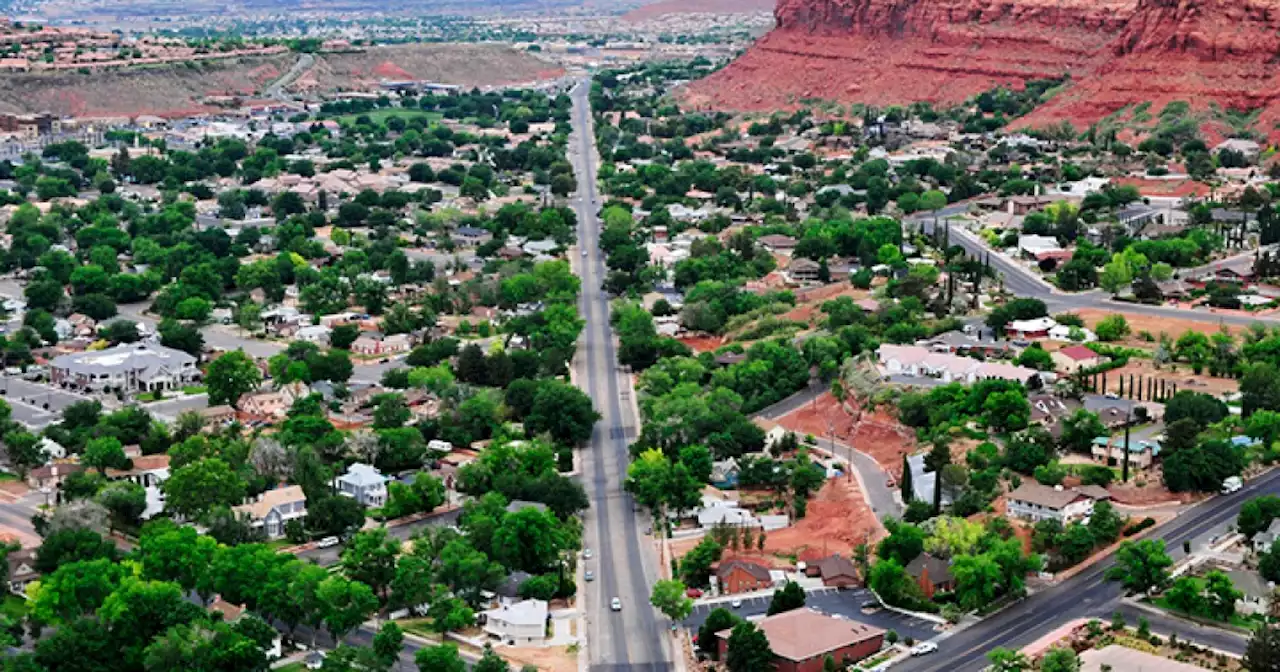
[[908, 488]]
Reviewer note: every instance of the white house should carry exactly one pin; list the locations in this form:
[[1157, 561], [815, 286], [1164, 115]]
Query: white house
[[363, 483], [315, 333], [1035, 502], [521, 623]]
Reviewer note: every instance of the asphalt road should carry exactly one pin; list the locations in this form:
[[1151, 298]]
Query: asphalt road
[[326, 557], [635, 638], [1023, 282], [1089, 595], [843, 603]]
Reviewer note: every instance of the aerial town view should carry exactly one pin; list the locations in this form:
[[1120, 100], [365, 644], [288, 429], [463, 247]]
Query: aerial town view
[[640, 336]]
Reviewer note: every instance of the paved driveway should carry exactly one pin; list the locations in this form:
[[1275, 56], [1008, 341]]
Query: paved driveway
[[843, 603]]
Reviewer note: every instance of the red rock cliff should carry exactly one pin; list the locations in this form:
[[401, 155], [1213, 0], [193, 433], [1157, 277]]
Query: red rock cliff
[[1118, 52]]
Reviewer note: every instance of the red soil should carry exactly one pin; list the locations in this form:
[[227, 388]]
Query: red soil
[[702, 343], [837, 519], [1118, 52], [877, 434], [389, 70]]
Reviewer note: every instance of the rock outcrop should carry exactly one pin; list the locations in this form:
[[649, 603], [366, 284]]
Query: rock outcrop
[[1117, 52]]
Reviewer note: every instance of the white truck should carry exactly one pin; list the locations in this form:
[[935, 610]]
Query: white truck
[[1231, 484]]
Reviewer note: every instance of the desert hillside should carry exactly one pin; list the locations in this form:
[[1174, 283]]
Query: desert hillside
[[1117, 52], [184, 89]]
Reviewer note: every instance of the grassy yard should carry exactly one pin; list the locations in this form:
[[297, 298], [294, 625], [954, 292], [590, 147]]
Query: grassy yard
[[292, 667], [1238, 620], [6, 477], [419, 627], [147, 396], [195, 389], [381, 116], [14, 607], [278, 544]]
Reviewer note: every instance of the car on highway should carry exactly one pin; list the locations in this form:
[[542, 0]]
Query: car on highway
[[736, 603], [615, 604], [586, 553], [327, 542], [923, 649], [589, 575], [584, 251]]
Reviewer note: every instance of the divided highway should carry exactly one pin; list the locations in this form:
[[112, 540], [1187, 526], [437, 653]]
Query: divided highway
[[634, 639]]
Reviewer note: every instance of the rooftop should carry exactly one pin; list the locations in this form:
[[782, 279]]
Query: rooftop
[[802, 634], [130, 357]]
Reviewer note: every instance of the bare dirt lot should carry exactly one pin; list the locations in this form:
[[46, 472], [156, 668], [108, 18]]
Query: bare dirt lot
[[1180, 374], [466, 65], [878, 434], [1153, 325], [837, 519]]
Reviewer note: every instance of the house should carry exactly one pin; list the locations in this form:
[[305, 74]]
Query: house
[[960, 343], [1069, 334], [1035, 502], [742, 576], [1248, 148], [133, 367], [1137, 216], [931, 573], [374, 343], [268, 404], [1173, 289], [915, 361], [1238, 271], [233, 612], [1032, 246], [315, 333], [776, 243], [519, 624], [51, 475], [802, 639], [773, 432], [802, 269], [509, 590], [150, 472], [363, 483], [1037, 328], [218, 415], [273, 509], [22, 572], [471, 236], [314, 660], [1111, 452], [838, 571], [1263, 540], [724, 474], [1256, 593], [1073, 358]]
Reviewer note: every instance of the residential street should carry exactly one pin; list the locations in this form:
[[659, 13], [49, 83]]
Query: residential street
[[634, 639], [843, 603], [1088, 594]]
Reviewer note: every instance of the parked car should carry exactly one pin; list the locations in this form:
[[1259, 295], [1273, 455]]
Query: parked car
[[589, 575], [328, 542], [615, 604], [736, 603]]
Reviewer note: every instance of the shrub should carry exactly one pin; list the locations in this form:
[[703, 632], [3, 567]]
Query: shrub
[[1140, 526]]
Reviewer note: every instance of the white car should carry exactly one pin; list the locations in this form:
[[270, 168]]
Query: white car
[[587, 554], [589, 575], [923, 648], [327, 542], [615, 604], [736, 604]]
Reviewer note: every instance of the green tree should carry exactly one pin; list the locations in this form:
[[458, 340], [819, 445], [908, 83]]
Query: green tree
[[1060, 660], [787, 598], [344, 604], [1112, 328], [370, 557], [440, 658], [562, 410], [232, 375], [670, 598], [103, 453], [491, 662], [1220, 595], [1262, 654], [196, 488], [748, 649], [1141, 566], [719, 620], [1005, 660]]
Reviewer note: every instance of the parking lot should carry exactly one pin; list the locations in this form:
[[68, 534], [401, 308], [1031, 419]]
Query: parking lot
[[35, 404], [841, 603]]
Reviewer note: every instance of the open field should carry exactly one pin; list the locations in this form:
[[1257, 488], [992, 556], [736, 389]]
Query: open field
[[466, 65]]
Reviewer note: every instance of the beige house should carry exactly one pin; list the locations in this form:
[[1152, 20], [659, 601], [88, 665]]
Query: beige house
[[274, 509], [1073, 358]]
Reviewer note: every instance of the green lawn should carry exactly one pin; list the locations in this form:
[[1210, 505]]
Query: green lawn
[[381, 116], [292, 667], [1237, 620], [195, 389], [7, 477], [14, 607], [147, 396], [278, 544]]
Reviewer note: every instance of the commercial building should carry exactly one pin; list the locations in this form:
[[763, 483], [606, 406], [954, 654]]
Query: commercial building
[[802, 639], [134, 367]]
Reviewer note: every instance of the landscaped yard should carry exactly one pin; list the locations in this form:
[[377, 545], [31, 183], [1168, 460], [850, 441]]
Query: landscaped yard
[[14, 607], [194, 389], [380, 116], [1238, 620], [292, 667]]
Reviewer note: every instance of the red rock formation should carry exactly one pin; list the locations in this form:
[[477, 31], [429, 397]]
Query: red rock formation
[[1118, 52]]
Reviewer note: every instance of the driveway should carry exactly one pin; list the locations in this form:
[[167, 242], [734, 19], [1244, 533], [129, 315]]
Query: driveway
[[843, 603]]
